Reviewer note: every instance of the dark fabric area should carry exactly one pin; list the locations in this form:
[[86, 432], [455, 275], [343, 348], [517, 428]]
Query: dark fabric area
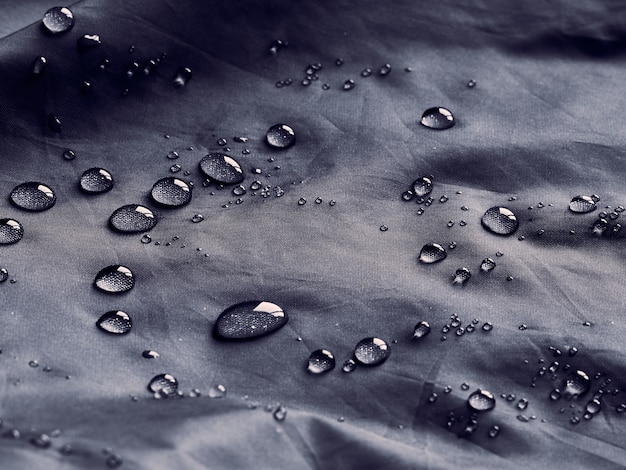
[[544, 123]]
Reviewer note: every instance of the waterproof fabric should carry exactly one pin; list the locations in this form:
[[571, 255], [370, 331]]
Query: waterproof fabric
[[542, 124]]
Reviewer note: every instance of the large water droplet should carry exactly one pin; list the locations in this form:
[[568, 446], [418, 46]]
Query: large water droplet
[[582, 204], [422, 186], [481, 400], [576, 383], [437, 118], [249, 320], [116, 322], [221, 168], [132, 218], [171, 192], [11, 231], [39, 66], [164, 385], [421, 329], [182, 76], [115, 279], [96, 181], [432, 253], [500, 220], [371, 351], [58, 20], [33, 196], [280, 136], [321, 361]]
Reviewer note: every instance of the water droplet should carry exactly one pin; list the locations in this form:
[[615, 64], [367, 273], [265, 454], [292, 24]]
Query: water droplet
[[582, 204], [450, 223], [175, 168], [500, 220], [432, 253], [422, 186], [164, 385], [58, 20], [277, 45], [239, 190], [576, 383], [471, 84], [350, 84], [481, 400], [572, 351], [522, 404], [116, 322], [487, 265], [280, 136], [114, 461], [348, 366], [197, 218], [182, 76], [88, 41], [33, 363], [69, 155], [301, 201], [54, 123], [437, 118], [421, 329], [371, 351], [366, 72], [96, 181], [39, 66], [600, 226], [221, 168], [280, 413], [384, 228], [249, 320], [555, 394], [461, 276], [443, 199], [33, 196], [132, 218], [131, 70], [42, 441], [321, 361], [148, 354], [171, 192], [594, 406], [4, 275], [318, 200], [217, 391], [487, 326], [11, 231], [332, 202], [384, 70], [150, 67], [115, 279], [408, 195]]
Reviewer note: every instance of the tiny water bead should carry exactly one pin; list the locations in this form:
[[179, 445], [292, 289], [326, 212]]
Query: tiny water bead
[[437, 118], [115, 279], [422, 186], [221, 168], [582, 204], [115, 322], [366, 72], [500, 220], [461, 276], [487, 265], [54, 123], [11, 231], [320, 361], [432, 253], [384, 70], [348, 366], [301, 201], [175, 168], [600, 226], [96, 181], [371, 351], [471, 83], [163, 385], [421, 329], [171, 192], [4, 275], [42, 441], [383, 228], [481, 400], [132, 218], [576, 383], [197, 218], [39, 66], [280, 413], [58, 20], [149, 354], [182, 77], [33, 196], [239, 190], [280, 136], [249, 320], [349, 84], [69, 155], [217, 391]]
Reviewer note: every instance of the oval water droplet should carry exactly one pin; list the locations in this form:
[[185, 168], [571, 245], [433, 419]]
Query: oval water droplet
[[576, 383], [115, 322], [4, 275], [148, 354], [422, 186], [115, 279], [221, 168], [33, 196], [69, 154], [58, 20], [500, 220], [481, 400], [280, 413], [349, 84], [164, 385], [348, 366], [11, 231], [54, 123], [366, 72], [461, 276], [132, 218], [280, 136], [39, 66], [321, 361], [182, 77], [217, 391], [437, 118], [249, 320], [582, 204], [96, 181], [432, 253], [171, 192], [487, 265], [371, 351], [384, 70], [421, 329], [487, 326]]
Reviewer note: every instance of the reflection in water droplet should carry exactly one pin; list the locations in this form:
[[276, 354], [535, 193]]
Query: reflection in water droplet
[[348, 366], [115, 279], [164, 385], [132, 218], [582, 204], [349, 84], [461, 276], [432, 253], [148, 354], [481, 400], [39, 66], [54, 123], [11, 231], [280, 136], [320, 361], [422, 186], [182, 76], [500, 220], [58, 20], [248, 320], [171, 192], [437, 118], [217, 391], [487, 265], [384, 70], [96, 181], [576, 383], [594, 406], [371, 351], [280, 413], [522, 404], [221, 168], [88, 41], [421, 329], [33, 196], [116, 322]]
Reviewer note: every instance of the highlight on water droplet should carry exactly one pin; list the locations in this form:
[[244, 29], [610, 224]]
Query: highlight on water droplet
[[115, 322], [11, 231], [280, 136], [182, 77], [54, 123], [4, 275], [437, 118], [432, 253], [247, 320], [171, 192], [96, 181], [163, 385], [149, 354], [132, 218], [39, 66], [500, 220], [217, 391], [481, 400], [221, 168], [58, 20], [582, 204], [115, 279], [371, 351], [320, 361], [69, 155], [33, 196]]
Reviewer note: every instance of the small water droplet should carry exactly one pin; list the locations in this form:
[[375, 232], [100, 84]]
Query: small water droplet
[[88, 41], [114, 461], [421, 329], [371, 351], [11, 231], [576, 383], [58, 20], [96, 181], [150, 67], [461, 276], [348, 366], [320, 361], [172, 155], [522, 404], [163, 385], [115, 279], [221, 168], [487, 326], [301, 201], [33, 196], [471, 83], [276, 45], [432, 253], [384, 70], [450, 223], [175, 168], [350, 84], [280, 136], [249, 320], [39, 66], [437, 118], [182, 77], [4, 275], [171, 192], [332, 202], [500, 220], [217, 391], [69, 155], [383, 228], [593, 406], [132, 218], [33, 363], [116, 322], [572, 351], [487, 265], [366, 72], [582, 204], [197, 218], [422, 186], [42, 441], [280, 413], [149, 354], [239, 190], [481, 400], [54, 123]]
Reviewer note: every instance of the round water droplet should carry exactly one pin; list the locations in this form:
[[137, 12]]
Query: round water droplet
[[33, 196], [148, 354], [384, 228], [4, 275], [88, 41], [182, 77], [164, 385], [487, 265], [217, 391], [461, 276], [582, 204], [280, 413], [522, 404], [58, 20], [371, 351], [175, 168], [116, 322], [481, 400], [239, 190], [115, 279], [132, 218], [421, 329], [437, 118], [576, 383], [487, 326], [301, 201], [54, 123], [500, 220], [349, 84], [96, 181], [39, 66], [69, 155], [249, 320], [471, 83], [171, 192], [11, 231], [321, 361], [348, 366], [280, 136], [432, 253], [221, 168], [422, 186]]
